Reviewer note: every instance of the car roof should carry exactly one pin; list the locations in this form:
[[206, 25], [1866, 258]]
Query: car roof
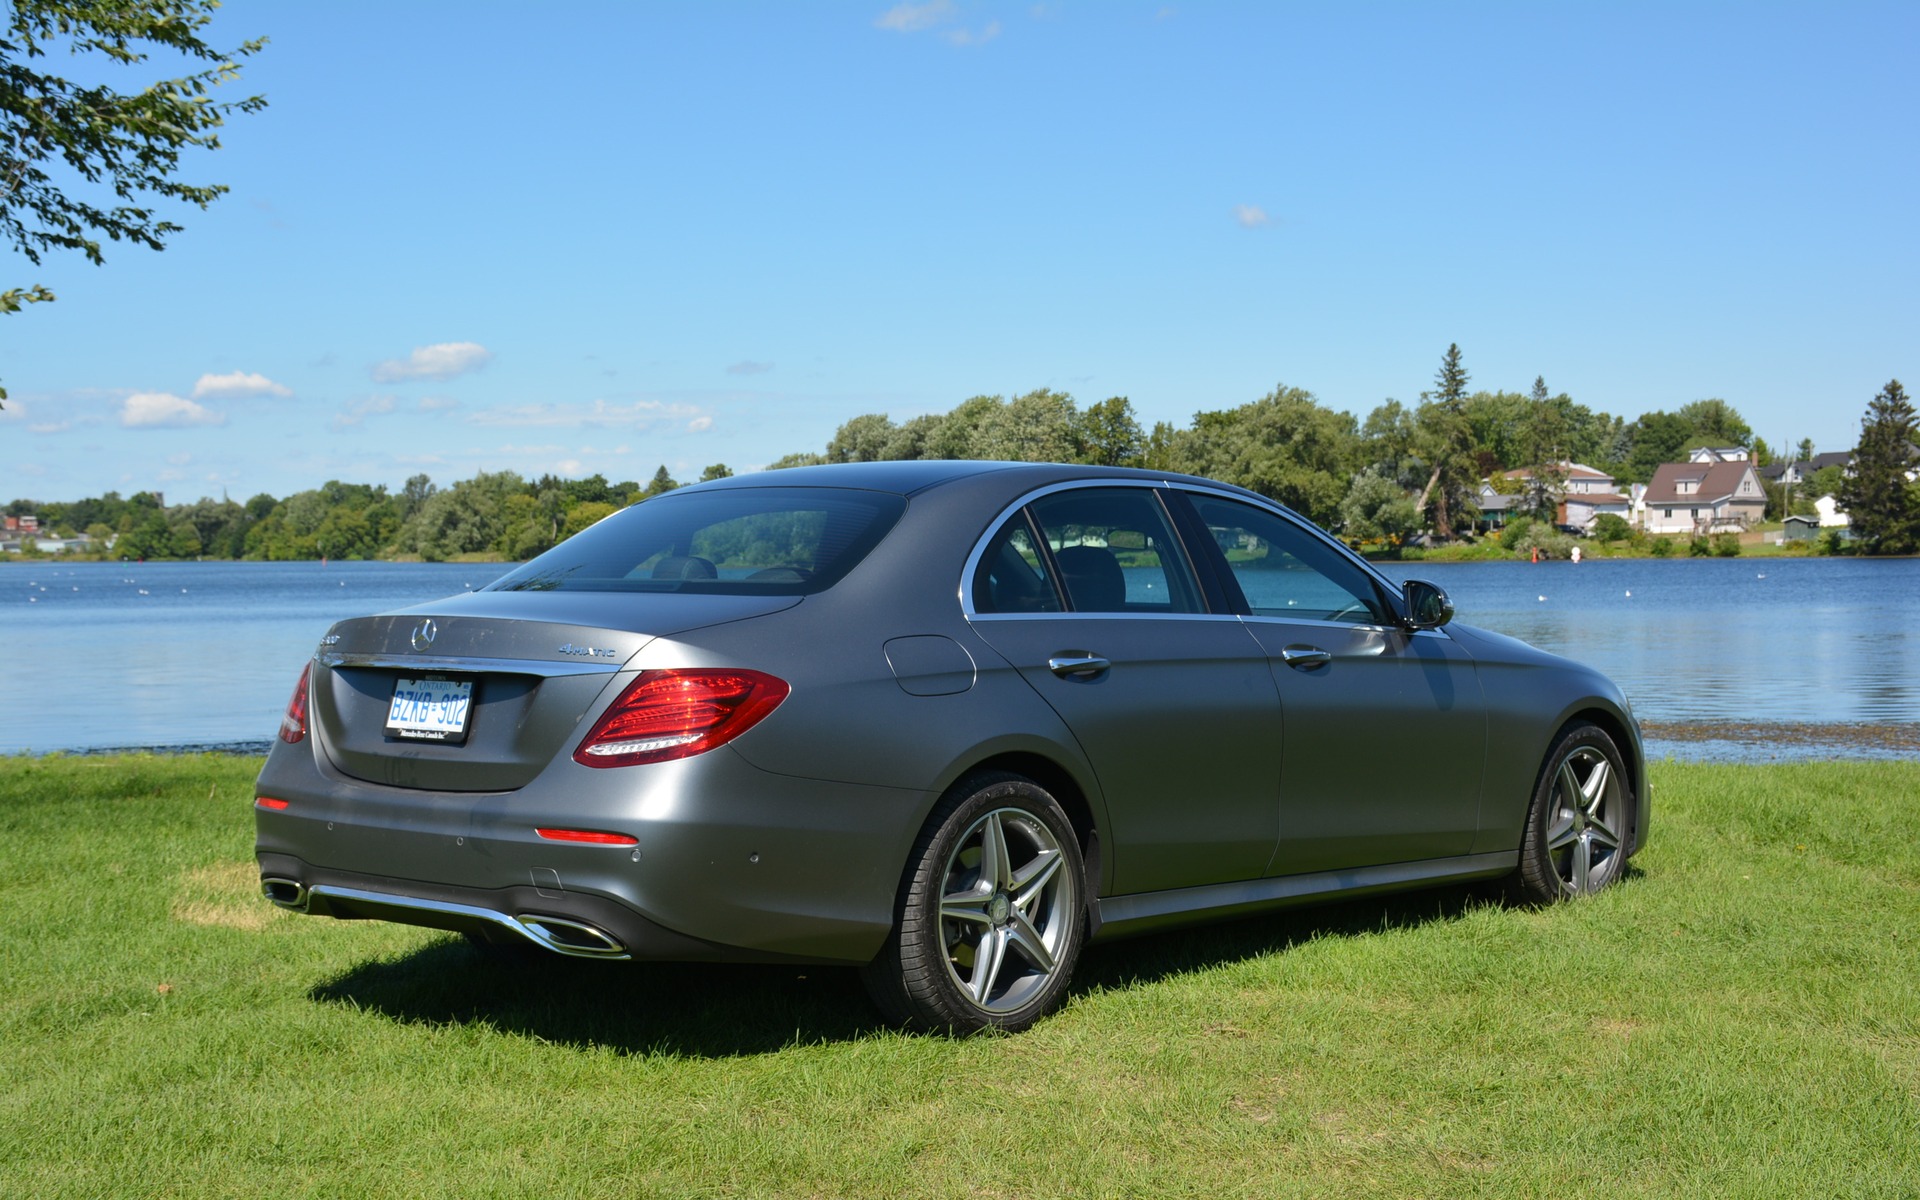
[[906, 477]]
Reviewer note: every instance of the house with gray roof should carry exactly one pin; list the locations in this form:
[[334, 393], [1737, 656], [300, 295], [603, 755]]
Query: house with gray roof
[[1703, 497]]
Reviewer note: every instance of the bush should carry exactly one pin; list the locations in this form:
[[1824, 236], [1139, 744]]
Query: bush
[[1550, 542], [1516, 530], [1611, 527], [1661, 547], [1726, 545]]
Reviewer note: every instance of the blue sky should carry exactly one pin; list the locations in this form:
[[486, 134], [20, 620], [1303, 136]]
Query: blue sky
[[606, 237]]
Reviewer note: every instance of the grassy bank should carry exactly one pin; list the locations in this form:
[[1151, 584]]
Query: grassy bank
[[1740, 1018]]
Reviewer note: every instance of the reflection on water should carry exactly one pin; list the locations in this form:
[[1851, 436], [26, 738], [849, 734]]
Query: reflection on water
[[168, 654]]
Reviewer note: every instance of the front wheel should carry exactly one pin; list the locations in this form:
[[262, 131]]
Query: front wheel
[[991, 913], [1576, 835]]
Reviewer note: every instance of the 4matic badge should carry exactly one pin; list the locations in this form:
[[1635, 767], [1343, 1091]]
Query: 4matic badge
[[588, 651]]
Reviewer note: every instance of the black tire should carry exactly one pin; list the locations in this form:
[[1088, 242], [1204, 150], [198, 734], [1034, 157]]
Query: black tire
[[984, 940], [1578, 823]]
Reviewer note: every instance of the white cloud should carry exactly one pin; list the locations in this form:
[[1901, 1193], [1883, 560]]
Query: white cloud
[[179, 460], [163, 410], [17, 411], [1251, 216], [438, 403], [967, 37], [913, 18], [699, 424], [238, 383], [749, 367], [446, 360], [600, 414], [361, 409], [934, 15]]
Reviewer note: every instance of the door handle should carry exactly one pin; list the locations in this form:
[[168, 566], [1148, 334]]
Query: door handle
[[1305, 658], [1077, 664]]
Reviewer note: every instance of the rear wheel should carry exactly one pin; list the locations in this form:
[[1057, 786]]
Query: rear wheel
[[991, 914], [1576, 834]]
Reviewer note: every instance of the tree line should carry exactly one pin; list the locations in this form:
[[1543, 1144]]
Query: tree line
[[1403, 470]]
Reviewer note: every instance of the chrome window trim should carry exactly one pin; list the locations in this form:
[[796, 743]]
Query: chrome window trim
[[1108, 616], [965, 591]]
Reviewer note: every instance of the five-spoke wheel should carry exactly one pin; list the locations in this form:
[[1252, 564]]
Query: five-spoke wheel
[[1576, 836], [991, 912]]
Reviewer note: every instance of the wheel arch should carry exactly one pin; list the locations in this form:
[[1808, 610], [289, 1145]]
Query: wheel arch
[[1056, 777]]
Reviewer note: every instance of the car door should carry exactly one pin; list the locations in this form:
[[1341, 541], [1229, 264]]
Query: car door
[[1384, 729], [1089, 594]]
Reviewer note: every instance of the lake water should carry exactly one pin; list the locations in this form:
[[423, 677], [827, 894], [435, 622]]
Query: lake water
[[205, 654]]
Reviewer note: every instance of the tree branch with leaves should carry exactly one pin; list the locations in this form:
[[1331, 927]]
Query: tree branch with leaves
[[82, 163]]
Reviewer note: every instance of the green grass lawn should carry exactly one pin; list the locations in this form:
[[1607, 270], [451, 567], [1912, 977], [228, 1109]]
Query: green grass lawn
[[1741, 1017]]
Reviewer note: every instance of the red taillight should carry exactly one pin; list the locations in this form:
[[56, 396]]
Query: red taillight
[[590, 836], [270, 802], [675, 714], [293, 726]]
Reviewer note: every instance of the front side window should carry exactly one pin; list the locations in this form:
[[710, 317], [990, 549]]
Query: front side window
[[1285, 571], [743, 541]]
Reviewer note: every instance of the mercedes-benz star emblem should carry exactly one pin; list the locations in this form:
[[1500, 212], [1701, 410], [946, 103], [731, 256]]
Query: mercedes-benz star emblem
[[423, 634]]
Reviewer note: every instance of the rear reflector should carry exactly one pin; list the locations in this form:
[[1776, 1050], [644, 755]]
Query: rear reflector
[[665, 715], [293, 726], [270, 802], [587, 835]]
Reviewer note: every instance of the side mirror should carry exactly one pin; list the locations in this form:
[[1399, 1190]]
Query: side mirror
[[1427, 606]]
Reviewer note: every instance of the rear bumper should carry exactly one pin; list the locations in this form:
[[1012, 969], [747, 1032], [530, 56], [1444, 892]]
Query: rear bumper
[[729, 862], [572, 924]]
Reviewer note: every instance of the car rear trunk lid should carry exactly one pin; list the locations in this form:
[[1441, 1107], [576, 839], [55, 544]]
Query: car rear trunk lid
[[534, 667]]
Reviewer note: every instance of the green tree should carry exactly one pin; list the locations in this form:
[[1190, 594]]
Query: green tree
[[959, 429], [1655, 438], [1040, 426], [1716, 423], [1285, 445], [716, 471], [1377, 509], [1110, 435], [660, 484], [911, 439], [1882, 503], [113, 149], [863, 439], [1444, 437]]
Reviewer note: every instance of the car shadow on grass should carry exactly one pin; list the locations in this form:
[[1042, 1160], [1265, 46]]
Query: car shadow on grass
[[707, 1010]]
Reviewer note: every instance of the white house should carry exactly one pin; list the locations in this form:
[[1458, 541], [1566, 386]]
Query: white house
[[1586, 494], [1703, 497]]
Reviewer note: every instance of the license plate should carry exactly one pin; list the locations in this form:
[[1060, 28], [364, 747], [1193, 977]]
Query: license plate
[[434, 710]]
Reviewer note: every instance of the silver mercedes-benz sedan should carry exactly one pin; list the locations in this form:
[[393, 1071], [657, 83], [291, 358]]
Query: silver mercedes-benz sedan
[[945, 721]]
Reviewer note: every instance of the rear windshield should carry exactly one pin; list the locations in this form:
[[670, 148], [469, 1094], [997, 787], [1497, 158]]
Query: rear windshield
[[735, 541]]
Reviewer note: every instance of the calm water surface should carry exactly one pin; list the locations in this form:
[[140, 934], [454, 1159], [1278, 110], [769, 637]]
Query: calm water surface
[[169, 654]]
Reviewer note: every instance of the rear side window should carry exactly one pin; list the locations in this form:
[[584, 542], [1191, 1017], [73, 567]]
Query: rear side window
[[739, 541], [1098, 550]]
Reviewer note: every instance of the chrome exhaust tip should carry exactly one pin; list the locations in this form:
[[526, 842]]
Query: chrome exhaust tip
[[570, 937], [287, 893]]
